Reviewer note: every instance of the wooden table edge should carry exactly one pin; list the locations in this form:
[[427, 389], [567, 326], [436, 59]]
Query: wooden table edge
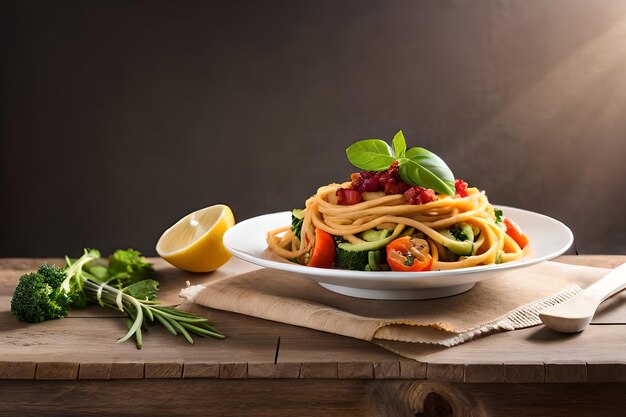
[[574, 371]]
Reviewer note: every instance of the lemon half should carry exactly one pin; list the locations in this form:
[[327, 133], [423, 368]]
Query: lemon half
[[194, 243]]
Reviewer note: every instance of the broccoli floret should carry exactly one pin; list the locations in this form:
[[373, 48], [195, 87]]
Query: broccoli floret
[[38, 295], [352, 260], [53, 274]]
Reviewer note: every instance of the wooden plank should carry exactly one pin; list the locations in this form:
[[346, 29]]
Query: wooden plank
[[17, 370], [606, 371], [484, 372], [201, 370], [413, 369], [274, 370], [524, 372], [233, 370], [163, 370], [57, 370], [355, 370], [319, 370], [94, 370], [386, 370], [127, 370], [566, 371], [445, 371]]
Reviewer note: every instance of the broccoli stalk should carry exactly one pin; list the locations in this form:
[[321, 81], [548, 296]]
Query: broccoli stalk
[[48, 293]]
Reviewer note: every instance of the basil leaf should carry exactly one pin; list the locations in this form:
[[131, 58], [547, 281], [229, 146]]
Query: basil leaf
[[424, 168], [370, 155], [399, 144]]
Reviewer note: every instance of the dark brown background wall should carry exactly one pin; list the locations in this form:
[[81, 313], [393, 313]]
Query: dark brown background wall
[[119, 117]]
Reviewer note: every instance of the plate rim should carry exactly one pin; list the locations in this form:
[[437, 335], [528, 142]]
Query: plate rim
[[401, 276]]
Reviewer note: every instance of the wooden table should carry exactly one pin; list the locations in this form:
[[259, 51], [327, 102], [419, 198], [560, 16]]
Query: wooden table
[[74, 367]]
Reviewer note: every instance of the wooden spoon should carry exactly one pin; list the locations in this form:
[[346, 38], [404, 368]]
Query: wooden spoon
[[573, 315]]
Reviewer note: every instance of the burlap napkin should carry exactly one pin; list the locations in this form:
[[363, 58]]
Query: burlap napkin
[[510, 300]]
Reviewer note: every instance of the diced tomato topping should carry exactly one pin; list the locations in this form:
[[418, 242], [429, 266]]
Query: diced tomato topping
[[461, 188], [396, 187], [388, 180], [347, 197], [420, 195], [366, 181], [391, 181]]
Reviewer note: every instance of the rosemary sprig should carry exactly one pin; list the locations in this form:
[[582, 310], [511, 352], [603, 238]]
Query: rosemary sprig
[[138, 311]]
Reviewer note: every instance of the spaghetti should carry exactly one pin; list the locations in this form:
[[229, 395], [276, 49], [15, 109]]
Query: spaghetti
[[431, 222]]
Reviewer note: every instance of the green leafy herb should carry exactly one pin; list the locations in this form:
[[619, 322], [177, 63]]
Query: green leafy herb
[[371, 155], [48, 293], [417, 166], [399, 144], [143, 290], [458, 233], [498, 214], [409, 259], [429, 169], [499, 218], [128, 266]]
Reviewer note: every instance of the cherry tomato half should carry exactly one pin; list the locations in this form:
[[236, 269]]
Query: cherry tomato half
[[407, 254]]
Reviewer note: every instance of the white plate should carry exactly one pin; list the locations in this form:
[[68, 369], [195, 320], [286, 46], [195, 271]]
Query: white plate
[[549, 238]]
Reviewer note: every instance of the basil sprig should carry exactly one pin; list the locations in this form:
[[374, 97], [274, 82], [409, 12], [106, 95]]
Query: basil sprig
[[417, 166]]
